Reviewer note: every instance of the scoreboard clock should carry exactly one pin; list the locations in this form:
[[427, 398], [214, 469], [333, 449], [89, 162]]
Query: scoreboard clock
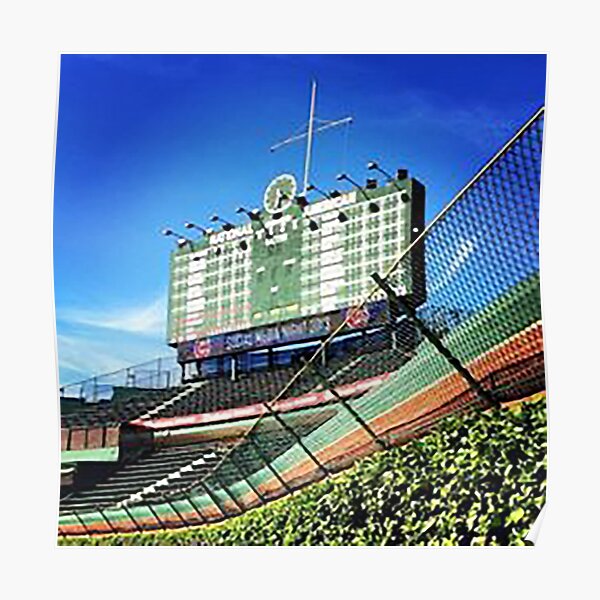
[[280, 193], [276, 279]]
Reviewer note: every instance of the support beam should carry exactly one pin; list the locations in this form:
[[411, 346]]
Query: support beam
[[398, 302], [297, 438], [268, 464]]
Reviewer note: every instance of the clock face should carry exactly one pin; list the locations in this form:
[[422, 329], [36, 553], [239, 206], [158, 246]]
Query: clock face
[[280, 193]]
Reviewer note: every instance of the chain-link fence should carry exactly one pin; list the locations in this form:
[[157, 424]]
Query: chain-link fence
[[467, 333]]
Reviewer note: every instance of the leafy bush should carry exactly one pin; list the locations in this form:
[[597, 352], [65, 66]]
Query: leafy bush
[[477, 479]]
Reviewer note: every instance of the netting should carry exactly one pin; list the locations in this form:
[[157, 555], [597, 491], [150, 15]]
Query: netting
[[467, 333]]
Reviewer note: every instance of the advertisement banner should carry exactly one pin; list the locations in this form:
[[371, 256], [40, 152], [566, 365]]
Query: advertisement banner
[[287, 332]]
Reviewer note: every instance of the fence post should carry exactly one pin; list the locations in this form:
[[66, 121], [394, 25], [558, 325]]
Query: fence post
[[110, 525], [82, 523], [138, 527], [347, 405], [397, 301], [245, 478], [160, 522], [198, 511], [213, 498], [228, 492], [268, 464], [176, 511], [297, 438]]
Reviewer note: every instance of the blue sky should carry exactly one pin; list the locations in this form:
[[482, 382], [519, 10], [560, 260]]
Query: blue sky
[[147, 141]]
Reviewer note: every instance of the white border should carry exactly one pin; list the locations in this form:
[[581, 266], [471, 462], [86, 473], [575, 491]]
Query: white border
[[35, 33]]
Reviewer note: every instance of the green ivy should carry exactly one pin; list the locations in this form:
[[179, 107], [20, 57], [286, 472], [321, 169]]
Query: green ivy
[[477, 479]]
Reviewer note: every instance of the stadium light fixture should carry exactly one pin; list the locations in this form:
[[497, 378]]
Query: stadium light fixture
[[181, 239], [254, 215], [371, 183], [227, 226], [400, 175], [311, 187], [374, 166], [202, 230], [345, 177]]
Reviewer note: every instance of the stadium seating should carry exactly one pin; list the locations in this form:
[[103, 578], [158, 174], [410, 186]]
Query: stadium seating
[[132, 478], [222, 393], [123, 410]]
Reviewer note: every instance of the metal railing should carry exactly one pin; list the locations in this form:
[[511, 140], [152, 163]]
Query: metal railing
[[161, 373]]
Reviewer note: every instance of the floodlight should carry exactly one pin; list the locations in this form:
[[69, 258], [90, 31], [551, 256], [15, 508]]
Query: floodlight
[[311, 187], [227, 226], [189, 225], [181, 239], [401, 174]]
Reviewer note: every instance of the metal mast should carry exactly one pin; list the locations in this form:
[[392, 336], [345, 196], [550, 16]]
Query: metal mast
[[309, 139], [309, 134]]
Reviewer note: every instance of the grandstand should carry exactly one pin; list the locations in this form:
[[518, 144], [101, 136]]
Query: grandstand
[[314, 334]]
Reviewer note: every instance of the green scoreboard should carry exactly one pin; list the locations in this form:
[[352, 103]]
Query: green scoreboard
[[293, 272]]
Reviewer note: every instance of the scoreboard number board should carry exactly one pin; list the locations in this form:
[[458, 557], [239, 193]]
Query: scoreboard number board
[[296, 269]]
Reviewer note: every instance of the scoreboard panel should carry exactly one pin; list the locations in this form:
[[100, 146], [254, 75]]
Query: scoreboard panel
[[300, 270]]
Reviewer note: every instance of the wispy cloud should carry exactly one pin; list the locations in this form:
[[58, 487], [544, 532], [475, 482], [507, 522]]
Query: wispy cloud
[[83, 356], [147, 319], [476, 123]]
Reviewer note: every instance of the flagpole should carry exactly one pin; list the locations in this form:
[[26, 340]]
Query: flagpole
[[309, 139]]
